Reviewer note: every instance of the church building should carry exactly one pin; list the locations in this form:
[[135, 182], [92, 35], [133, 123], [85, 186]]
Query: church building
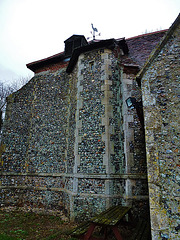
[[74, 136]]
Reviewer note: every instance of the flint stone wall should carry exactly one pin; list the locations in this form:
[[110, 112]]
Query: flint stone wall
[[161, 95], [69, 141]]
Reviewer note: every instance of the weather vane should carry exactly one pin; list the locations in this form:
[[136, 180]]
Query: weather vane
[[94, 32]]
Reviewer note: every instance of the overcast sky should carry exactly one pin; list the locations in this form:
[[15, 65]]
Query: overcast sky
[[34, 29]]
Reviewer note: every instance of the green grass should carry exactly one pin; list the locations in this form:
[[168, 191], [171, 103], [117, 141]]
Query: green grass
[[17, 225], [5, 237]]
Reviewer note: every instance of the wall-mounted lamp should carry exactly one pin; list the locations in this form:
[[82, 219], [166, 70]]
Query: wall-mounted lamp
[[133, 104]]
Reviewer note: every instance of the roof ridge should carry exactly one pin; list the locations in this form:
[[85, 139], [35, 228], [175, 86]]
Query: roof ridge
[[147, 34]]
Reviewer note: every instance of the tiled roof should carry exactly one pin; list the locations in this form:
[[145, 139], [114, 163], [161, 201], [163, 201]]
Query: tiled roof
[[158, 48], [140, 47], [36, 64]]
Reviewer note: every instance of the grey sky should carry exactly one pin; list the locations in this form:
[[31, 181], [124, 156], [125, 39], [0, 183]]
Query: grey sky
[[35, 29]]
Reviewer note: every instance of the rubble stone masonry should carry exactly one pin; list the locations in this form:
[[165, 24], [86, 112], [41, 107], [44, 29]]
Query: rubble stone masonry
[[161, 100], [70, 142]]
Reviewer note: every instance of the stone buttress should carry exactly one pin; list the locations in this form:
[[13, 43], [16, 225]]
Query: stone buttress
[[110, 165]]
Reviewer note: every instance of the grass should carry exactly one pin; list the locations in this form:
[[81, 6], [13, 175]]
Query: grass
[[5, 237], [18, 225]]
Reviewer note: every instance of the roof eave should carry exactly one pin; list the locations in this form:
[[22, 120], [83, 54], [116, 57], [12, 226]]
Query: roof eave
[[33, 66]]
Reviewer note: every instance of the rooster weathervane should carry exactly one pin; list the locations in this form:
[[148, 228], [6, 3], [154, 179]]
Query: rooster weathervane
[[94, 32]]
